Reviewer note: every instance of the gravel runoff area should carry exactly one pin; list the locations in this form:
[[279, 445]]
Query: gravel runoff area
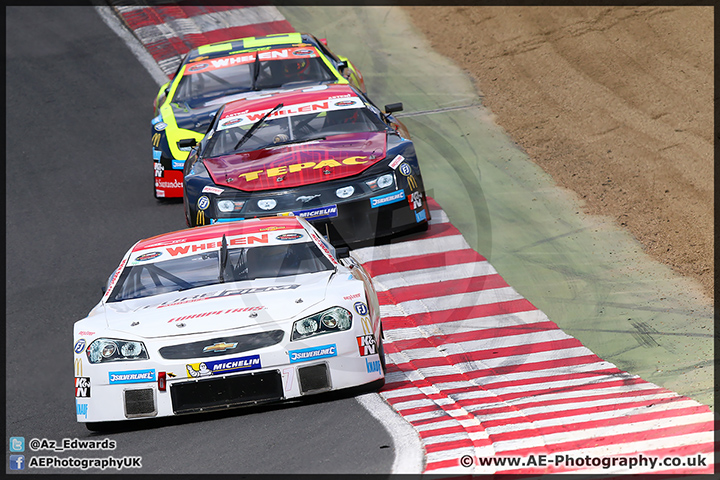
[[615, 103]]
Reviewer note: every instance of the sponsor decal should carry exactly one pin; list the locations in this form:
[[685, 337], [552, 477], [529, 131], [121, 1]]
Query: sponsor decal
[[289, 236], [160, 126], [80, 345], [198, 67], [132, 376], [159, 169], [217, 312], [210, 189], [405, 169], [387, 199], [147, 256], [245, 57], [203, 202], [344, 103], [160, 193], [361, 308], [305, 52], [223, 293], [178, 164], [78, 367], [82, 409], [232, 121], [366, 325], [420, 216], [367, 345], [297, 167], [307, 354], [166, 184], [323, 246], [318, 213], [156, 154], [82, 387], [412, 183], [247, 118], [156, 119], [199, 247], [373, 366], [156, 139], [350, 297], [396, 161], [114, 279], [220, 367], [219, 347], [415, 200]]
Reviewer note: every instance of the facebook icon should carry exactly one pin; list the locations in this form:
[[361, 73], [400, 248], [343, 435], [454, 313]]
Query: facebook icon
[[17, 462]]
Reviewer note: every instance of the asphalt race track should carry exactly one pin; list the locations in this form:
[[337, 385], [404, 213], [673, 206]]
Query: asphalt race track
[[79, 194]]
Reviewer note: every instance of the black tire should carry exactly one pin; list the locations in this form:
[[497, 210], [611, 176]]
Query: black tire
[[96, 426], [381, 353]]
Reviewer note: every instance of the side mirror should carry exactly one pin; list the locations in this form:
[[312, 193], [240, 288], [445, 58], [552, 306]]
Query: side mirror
[[186, 142], [394, 107], [342, 252]]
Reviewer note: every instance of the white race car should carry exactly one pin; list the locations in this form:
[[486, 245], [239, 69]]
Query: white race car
[[226, 315]]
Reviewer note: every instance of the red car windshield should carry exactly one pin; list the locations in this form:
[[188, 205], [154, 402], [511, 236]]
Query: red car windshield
[[293, 129]]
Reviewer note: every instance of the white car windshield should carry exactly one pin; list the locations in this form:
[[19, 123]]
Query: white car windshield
[[271, 261]]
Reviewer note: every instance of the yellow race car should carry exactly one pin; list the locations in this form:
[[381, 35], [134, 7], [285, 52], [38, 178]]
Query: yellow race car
[[211, 75]]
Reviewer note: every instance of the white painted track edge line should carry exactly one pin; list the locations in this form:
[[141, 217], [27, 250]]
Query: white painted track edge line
[[136, 48], [409, 450]]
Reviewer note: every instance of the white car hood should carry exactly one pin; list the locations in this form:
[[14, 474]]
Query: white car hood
[[219, 307]]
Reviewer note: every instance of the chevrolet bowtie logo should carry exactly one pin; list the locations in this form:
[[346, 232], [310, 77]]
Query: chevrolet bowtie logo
[[219, 347]]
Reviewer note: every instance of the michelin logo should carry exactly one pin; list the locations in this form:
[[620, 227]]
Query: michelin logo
[[219, 367], [312, 353], [318, 213], [137, 376]]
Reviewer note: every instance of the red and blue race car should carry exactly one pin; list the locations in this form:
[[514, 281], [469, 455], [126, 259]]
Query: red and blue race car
[[325, 153]]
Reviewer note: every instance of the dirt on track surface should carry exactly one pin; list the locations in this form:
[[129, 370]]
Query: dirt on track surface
[[615, 103]]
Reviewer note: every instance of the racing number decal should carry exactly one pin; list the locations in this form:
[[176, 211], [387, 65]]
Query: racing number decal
[[156, 139], [288, 375]]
